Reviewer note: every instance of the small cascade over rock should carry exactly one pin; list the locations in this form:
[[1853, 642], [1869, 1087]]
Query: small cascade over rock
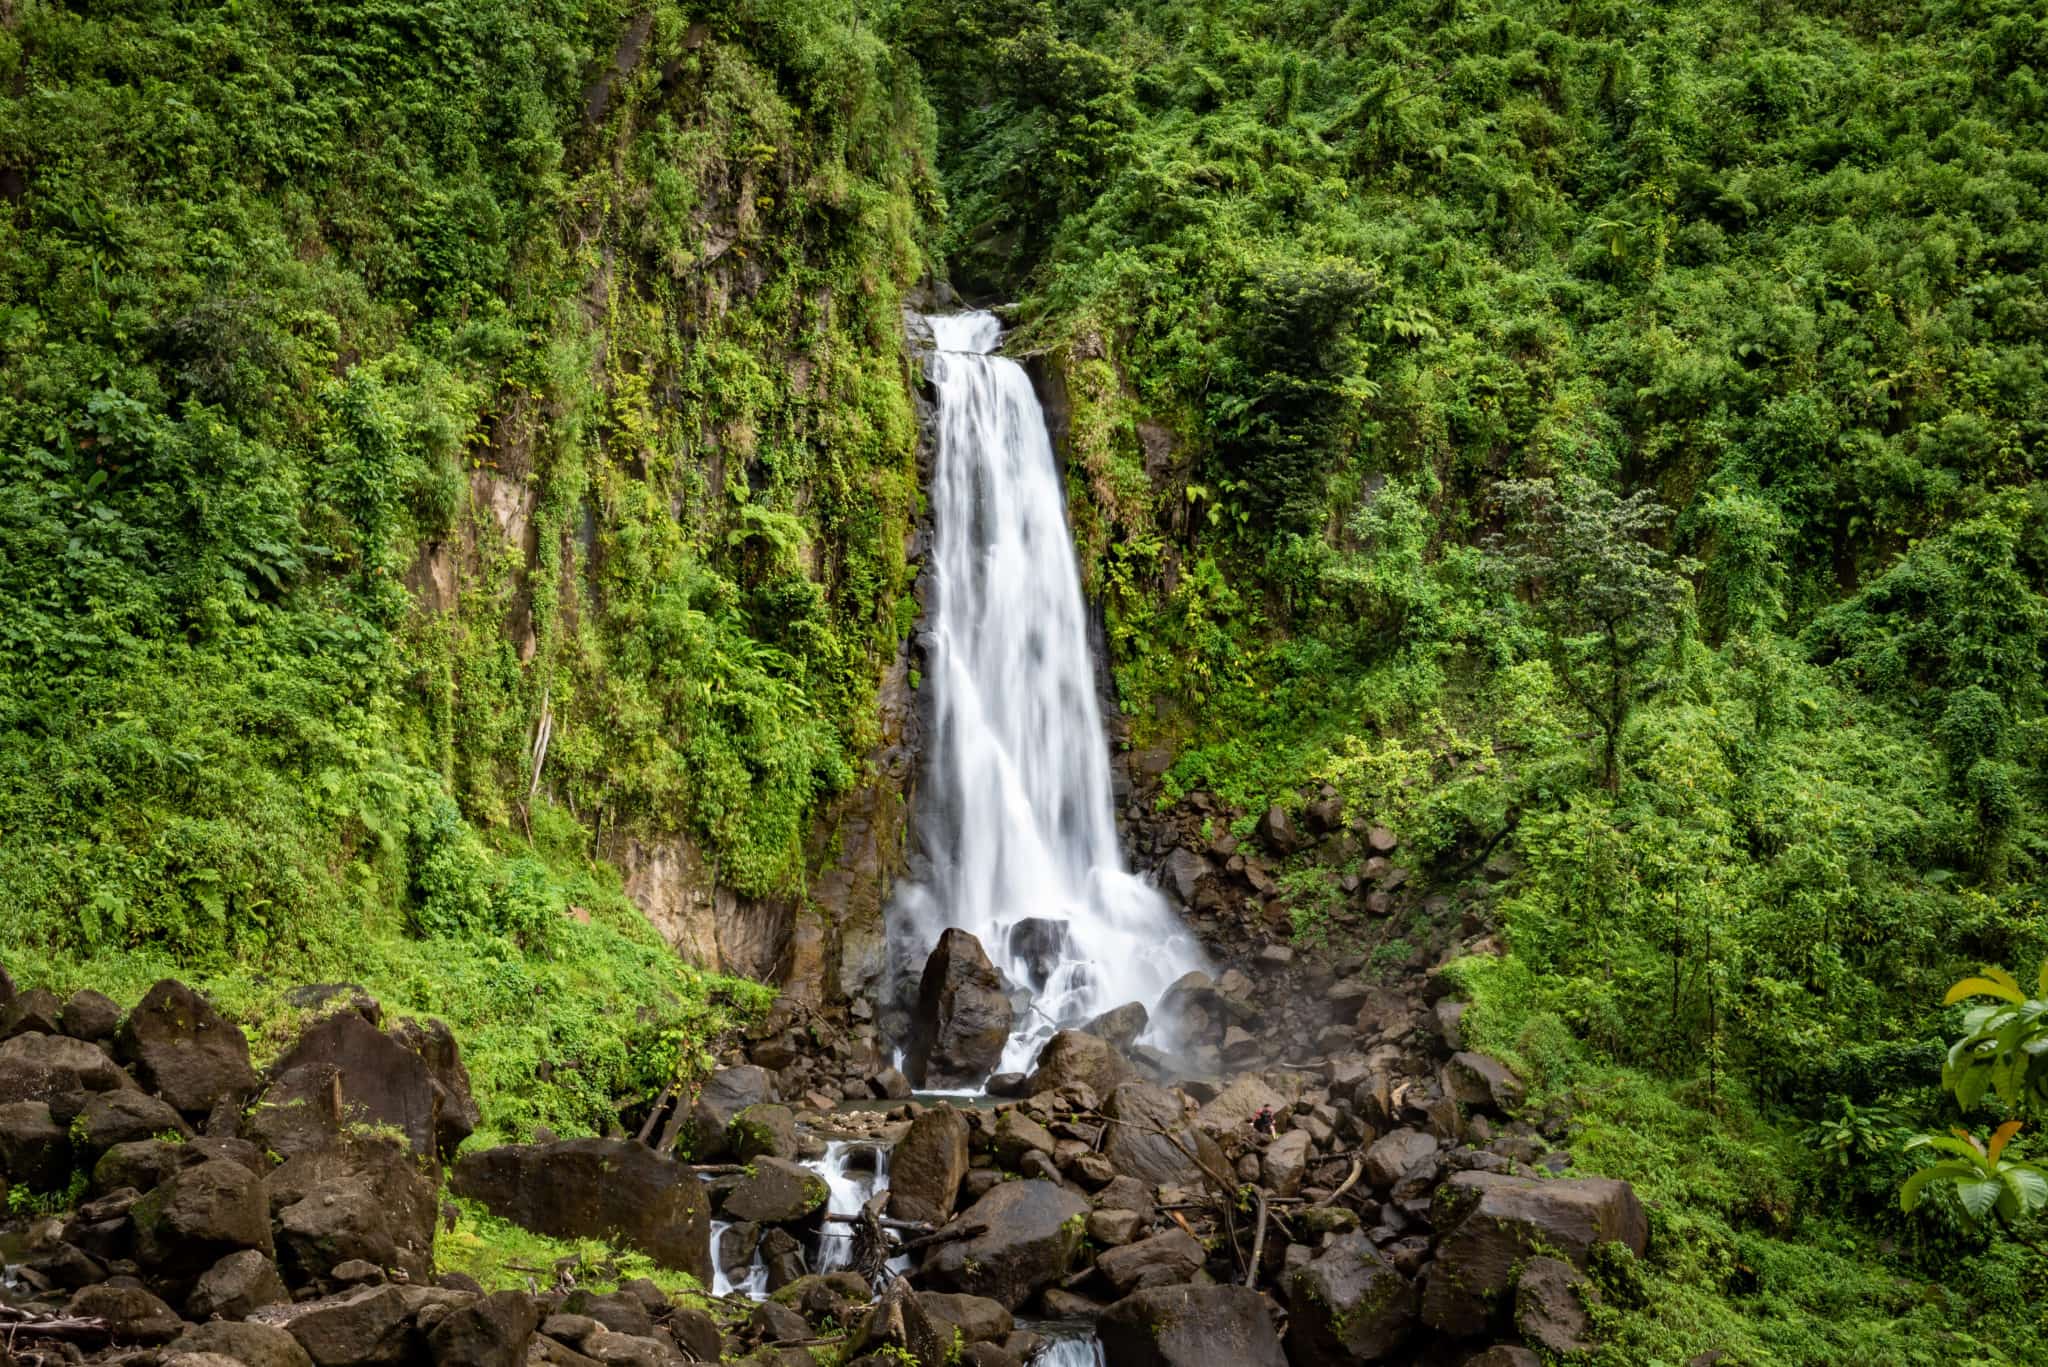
[[1017, 822]]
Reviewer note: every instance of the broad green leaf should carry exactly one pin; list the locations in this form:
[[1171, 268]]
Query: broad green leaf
[[2001, 985]]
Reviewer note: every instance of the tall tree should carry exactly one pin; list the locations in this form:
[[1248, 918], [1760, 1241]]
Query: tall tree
[[1608, 597]]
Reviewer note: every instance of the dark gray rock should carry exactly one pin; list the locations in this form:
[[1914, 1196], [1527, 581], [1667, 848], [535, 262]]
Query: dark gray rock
[[35, 1152], [724, 1095], [928, 1165], [1483, 1082], [1551, 1297], [1033, 1231], [979, 1319], [124, 1117], [1120, 1026], [1489, 1224], [236, 1287], [1191, 1326], [963, 1015], [596, 1188], [1167, 1259], [1153, 1158], [254, 1345], [35, 1011], [776, 1192], [495, 1331], [1348, 1305], [132, 1314], [367, 1199], [362, 1328], [1073, 1057], [764, 1130], [39, 1067], [184, 1051], [90, 1016], [197, 1217]]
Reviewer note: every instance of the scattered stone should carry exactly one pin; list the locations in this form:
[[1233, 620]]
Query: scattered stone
[[766, 1129], [928, 1165], [598, 1188], [1016, 1135], [1121, 1026], [124, 1117], [131, 1313], [495, 1331], [34, 1149], [1163, 1260], [1191, 1326], [185, 1051], [1481, 1080], [1286, 1162], [365, 1199], [1113, 1228], [236, 1287], [1135, 1145], [899, 1322], [963, 1015], [1276, 831], [1551, 1297], [1348, 1305], [255, 1345], [45, 1067], [1033, 1231], [979, 1319], [200, 1215], [1072, 1056], [1380, 840], [890, 1085], [1393, 1155], [90, 1016], [1488, 1224], [776, 1192], [724, 1095], [361, 1328]]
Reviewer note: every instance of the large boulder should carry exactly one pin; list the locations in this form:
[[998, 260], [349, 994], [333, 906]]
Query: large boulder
[[898, 1329], [1038, 943], [928, 1165], [703, 1126], [963, 1015], [1033, 1231], [1191, 1326], [37, 1067], [366, 1200], [1394, 1153], [1075, 1057], [495, 1331], [1152, 1139], [132, 1314], [1489, 1223], [1348, 1305], [1231, 1110], [1285, 1162], [1551, 1299], [456, 1113], [596, 1188], [342, 1058], [197, 1217], [764, 1130], [1120, 1026], [184, 1051], [236, 1287], [125, 1116], [979, 1319], [368, 1327], [90, 1015], [35, 1152], [777, 1192], [254, 1345], [37, 1010], [1163, 1260], [1482, 1082]]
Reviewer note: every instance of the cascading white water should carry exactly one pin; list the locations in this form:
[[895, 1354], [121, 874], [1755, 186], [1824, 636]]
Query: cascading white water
[[1018, 819], [754, 1285], [851, 1180]]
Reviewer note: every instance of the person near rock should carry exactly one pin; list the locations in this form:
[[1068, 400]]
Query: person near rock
[[1262, 1123]]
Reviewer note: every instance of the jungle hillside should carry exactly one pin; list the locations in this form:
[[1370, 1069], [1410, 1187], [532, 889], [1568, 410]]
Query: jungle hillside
[[459, 466]]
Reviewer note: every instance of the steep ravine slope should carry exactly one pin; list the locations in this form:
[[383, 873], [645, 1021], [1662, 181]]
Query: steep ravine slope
[[461, 462]]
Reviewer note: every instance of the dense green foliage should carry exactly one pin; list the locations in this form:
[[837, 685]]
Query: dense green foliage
[[579, 323], [1605, 441]]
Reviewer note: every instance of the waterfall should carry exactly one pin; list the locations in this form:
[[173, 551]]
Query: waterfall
[[853, 1172], [1018, 820]]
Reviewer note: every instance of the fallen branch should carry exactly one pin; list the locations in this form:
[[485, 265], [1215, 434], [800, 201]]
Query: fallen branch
[[901, 1226], [944, 1236], [24, 1322], [1251, 1272], [1357, 1167]]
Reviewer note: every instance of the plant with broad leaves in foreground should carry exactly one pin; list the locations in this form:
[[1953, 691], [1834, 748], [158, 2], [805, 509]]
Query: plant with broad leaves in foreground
[[2004, 1050]]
